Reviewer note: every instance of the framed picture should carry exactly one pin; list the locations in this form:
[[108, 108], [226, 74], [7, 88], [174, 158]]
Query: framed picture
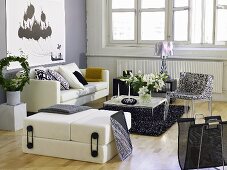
[[36, 29]]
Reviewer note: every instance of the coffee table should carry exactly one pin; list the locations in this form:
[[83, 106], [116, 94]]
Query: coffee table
[[143, 115], [149, 107], [155, 101]]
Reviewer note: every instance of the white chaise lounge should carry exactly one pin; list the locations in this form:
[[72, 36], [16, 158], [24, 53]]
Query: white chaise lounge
[[70, 136]]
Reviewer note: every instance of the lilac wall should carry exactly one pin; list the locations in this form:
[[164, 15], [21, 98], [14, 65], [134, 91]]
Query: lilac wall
[[75, 17]]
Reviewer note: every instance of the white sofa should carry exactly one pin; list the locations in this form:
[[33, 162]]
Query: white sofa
[[44, 93]]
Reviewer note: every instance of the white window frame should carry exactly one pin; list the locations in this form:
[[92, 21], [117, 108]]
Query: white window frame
[[172, 9], [110, 35], [169, 16], [140, 10]]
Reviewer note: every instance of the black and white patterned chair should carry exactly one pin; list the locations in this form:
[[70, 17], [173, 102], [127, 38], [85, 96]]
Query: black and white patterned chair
[[193, 86]]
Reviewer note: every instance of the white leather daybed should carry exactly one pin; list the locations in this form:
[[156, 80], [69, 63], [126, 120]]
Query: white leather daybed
[[70, 136]]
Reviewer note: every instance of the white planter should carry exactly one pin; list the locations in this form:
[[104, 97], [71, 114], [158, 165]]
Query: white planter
[[12, 117], [13, 98]]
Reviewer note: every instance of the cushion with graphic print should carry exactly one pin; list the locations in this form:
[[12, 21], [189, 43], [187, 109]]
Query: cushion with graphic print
[[121, 135], [42, 75], [58, 77]]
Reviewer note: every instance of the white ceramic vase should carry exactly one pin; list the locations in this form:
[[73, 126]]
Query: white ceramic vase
[[13, 98]]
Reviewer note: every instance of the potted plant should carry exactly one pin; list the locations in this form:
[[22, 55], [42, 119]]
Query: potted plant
[[13, 85]]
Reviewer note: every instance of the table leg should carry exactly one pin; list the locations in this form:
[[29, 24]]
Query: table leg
[[166, 109]]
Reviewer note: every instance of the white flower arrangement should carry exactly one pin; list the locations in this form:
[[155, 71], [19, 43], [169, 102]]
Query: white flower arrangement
[[146, 83]]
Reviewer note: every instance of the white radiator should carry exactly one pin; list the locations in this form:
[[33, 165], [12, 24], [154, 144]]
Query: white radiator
[[174, 68]]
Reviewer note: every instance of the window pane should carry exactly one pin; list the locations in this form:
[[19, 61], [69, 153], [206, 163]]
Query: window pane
[[180, 3], [181, 25], [222, 2], [196, 26], [222, 25], [119, 4], [153, 4], [152, 25], [123, 25], [208, 21], [202, 33]]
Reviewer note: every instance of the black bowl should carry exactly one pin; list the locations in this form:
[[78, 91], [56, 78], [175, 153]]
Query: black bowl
[[129, 101]]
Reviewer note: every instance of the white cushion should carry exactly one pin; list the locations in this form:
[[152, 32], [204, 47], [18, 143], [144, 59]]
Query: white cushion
[[88, 89], [71, 78], [99, 85], [98, 121], [69, 94], [52, 126], [32, 71], [72, 67]]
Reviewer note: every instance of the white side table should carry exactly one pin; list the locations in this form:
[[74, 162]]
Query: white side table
[[12, 117]]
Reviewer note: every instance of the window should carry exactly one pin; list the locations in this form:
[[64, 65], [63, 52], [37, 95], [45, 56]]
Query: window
[[221, 20], [123, 20], [183, 21], [180, 20], [152, 11]]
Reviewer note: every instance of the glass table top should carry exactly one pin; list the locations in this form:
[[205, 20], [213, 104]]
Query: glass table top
[[154, 102]]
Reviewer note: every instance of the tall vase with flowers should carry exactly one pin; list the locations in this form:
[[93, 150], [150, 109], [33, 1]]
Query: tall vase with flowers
[[145, 84]]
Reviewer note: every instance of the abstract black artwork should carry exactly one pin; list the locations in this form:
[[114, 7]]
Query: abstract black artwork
[[31, 28], [38, 29]]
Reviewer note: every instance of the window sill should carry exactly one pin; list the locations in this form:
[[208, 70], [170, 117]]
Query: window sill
[[176, 46]]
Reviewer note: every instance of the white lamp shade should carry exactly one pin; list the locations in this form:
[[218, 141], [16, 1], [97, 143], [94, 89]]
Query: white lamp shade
[[164, 48]]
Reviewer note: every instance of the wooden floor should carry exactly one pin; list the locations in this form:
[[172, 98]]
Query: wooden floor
[[149, 153]]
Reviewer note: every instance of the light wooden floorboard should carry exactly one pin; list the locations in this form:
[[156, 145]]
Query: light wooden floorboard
[[149, 153]]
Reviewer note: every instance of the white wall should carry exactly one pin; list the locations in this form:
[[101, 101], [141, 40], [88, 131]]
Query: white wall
[[100, 54]]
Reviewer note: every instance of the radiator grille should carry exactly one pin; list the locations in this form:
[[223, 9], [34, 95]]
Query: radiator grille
[[174, 68]]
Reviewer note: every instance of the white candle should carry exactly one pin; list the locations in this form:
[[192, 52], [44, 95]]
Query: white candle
[[118, 90], [129, 90]]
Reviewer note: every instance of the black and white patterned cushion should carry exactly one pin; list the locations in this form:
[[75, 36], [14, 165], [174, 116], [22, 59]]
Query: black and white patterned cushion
[[42, 75], [56, 76], [121, 135]]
